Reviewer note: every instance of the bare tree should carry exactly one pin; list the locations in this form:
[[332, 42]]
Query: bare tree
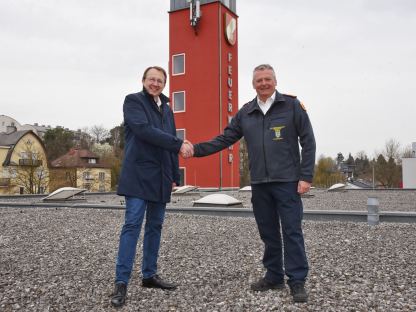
[[392, 149], [32, 172], [407, 152], [99, 133]]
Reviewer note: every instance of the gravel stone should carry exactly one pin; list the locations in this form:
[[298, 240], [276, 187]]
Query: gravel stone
[[316, 199], [63, 260]]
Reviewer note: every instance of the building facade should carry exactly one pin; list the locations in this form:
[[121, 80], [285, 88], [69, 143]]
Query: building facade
[[203, 72], [80, 168], [409, 170], [24, 167]]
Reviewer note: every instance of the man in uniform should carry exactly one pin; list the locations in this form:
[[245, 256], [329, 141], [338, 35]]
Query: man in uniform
[[273, 125]]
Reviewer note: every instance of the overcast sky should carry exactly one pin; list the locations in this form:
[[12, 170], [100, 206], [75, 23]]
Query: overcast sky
[[352, 62]]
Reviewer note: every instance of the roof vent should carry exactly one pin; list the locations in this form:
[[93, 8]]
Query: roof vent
[[217, 200]]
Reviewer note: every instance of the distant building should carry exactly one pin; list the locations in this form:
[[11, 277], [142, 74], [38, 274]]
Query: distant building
[[409, 169], [24, 167], [80, 168], [9, 124]]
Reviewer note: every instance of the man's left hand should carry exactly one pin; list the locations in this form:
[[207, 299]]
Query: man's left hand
[[303, 187]]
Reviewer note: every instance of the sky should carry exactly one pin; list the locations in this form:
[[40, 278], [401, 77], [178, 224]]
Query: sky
[[351, 62]]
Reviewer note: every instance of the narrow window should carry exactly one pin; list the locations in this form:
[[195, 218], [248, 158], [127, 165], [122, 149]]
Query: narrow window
[[178, 64], [101, 176], [180, 133], [182, 176], [178, 101]]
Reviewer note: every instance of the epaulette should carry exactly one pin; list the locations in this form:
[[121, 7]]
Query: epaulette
[[300, 102], [290, 95]]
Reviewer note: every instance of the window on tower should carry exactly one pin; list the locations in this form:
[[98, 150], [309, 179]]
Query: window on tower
[[178, 64], [182, 176], [180, 133], [178, 101]]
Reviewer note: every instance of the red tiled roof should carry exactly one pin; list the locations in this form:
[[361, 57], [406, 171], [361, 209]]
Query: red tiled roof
[[78, 158]]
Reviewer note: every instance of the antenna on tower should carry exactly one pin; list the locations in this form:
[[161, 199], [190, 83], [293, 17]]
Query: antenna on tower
[[194, 13]]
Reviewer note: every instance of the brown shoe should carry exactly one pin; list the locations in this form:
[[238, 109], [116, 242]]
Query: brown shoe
[[263, 284]]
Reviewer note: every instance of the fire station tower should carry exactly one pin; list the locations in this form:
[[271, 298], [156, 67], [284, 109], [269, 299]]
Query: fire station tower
[[203, 75]]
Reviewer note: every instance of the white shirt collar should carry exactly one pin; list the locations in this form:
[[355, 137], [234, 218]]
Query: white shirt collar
[[270, 99], [264, 106], [158, 102]]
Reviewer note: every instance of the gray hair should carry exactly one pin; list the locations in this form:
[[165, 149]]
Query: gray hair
[[264, 67]]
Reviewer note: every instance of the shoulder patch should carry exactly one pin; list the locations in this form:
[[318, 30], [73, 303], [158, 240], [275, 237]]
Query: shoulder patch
[[303, 106]]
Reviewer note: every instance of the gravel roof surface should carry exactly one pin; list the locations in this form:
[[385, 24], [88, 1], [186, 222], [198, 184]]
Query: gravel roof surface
[[63, 260], [318, 199]]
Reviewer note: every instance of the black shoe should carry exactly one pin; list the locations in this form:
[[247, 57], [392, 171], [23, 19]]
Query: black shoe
[[156, 282], [119, 295], [263, 284], [298, 292]]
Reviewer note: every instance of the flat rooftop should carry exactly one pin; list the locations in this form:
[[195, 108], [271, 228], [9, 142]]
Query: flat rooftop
[[63, 260]]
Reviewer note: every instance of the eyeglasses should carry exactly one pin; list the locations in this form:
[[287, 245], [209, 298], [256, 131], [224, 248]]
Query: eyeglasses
[[155, 80]]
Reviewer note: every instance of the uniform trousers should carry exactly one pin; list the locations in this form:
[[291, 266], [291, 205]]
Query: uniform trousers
[[278, 211]]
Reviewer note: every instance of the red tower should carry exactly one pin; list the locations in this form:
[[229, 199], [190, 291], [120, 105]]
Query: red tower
[[203, 72]]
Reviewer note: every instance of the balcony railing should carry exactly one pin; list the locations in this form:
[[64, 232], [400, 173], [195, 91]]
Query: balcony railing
[[30, 162], [4, 182]]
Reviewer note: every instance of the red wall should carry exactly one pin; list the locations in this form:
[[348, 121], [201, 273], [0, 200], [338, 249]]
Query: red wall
[[205, 83]]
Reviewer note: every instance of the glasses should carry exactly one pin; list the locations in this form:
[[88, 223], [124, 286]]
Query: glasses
[[155, 80]]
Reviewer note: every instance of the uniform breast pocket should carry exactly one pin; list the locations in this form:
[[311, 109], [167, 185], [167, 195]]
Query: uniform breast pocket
[[277, 128]]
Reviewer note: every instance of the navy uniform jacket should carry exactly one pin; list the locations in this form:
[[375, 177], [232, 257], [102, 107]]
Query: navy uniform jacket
[[272, 140], [150, 163]]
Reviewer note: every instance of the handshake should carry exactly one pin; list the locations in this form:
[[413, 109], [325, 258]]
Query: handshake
[[187, 149]]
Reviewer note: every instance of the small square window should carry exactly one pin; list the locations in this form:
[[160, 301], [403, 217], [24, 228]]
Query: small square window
[[178, 64], [178, 101], [180, 133]]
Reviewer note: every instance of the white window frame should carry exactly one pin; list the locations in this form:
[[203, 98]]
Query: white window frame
[[173, 64], [184, 132], [184, 102]]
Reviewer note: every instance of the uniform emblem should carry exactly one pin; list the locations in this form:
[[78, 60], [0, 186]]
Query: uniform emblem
[[230, 28], [277, 134]]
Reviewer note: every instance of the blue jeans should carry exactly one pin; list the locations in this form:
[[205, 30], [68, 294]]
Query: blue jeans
[[278, 211], [135, 211]]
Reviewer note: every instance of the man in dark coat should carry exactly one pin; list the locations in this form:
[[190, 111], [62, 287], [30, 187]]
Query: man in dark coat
[[150, 170], [273, 125]]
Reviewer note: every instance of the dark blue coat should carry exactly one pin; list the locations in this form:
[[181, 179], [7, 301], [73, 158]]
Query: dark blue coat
[[150, 163], [272, 140]]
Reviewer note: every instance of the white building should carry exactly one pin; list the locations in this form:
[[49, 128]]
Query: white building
[[409, 169], [8, 124]]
